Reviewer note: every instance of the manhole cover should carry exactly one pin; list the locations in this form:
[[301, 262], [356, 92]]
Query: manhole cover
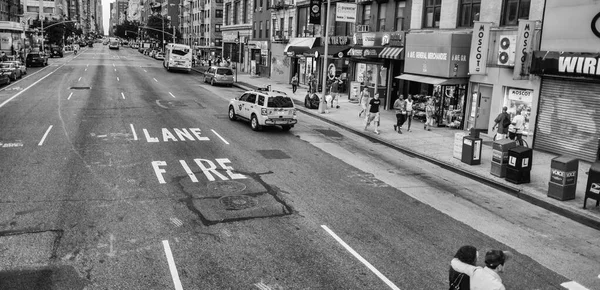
[[330, 133], [80, 88], [273, 154], [226, 186], [237, 202]]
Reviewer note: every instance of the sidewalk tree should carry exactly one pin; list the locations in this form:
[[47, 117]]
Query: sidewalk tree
[[127, 25], [155, 22]]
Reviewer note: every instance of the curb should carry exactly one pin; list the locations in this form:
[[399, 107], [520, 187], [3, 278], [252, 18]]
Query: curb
[[516, 192]]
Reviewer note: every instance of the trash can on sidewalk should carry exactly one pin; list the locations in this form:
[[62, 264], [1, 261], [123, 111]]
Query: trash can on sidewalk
[[519, 165], [500, 156], [592, 189], [563, 178], [471, 150]]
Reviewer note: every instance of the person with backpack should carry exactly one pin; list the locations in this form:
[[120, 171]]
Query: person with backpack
[[502, 123], [295, 83], [488, 277], [460, 281]]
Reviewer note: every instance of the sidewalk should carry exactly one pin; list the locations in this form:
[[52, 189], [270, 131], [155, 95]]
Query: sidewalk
[[437, 146]]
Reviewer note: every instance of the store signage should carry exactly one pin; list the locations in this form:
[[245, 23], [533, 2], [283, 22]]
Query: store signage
[[345, 12], [566, 63], [370, 53], [438, 54], [524, 49], [315, 12], [337, 40], [368, 39], [357, 39], [479, 48], [595, 25], [396, 39], [562, 177], [520, 95]]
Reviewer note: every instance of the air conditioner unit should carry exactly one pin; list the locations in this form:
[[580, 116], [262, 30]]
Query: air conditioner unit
[[362, 28], [506, 50]]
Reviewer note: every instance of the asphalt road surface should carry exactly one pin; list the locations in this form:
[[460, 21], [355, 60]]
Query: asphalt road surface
[[116, 174]]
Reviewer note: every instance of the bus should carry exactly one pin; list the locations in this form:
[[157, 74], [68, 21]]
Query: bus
[[178, 57], [113, 43]]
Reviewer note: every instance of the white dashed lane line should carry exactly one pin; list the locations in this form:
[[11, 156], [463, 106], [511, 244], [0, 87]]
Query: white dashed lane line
[[171, 95], [155, 80], [45, 135], [572, 285], [135, 137], [123, 95], [172, 267], [79, 79], [145, 71], [71, 94], [117, 79], [361, 259]]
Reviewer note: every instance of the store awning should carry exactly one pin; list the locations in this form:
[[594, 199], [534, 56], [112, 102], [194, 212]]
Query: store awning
[[391, 53], [299, 45], [432, 80], [365, 51], [333, 50]]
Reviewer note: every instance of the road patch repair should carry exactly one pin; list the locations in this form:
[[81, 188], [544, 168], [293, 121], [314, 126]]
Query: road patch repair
[[234, 200], [26, 262]]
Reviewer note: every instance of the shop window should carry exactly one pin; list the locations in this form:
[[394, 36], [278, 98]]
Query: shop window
[[399, 21], [518, 101], [433, 9], [381, 16], [469, 12], [513, 10]]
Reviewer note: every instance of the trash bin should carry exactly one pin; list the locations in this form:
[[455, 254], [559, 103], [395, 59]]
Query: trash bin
[[500, 156], [563, 178], [519, 164], [471, 150], [592, 189]]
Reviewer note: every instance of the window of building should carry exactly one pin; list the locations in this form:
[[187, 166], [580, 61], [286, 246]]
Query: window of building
[[227, 9], [236, 11], [381, 15], [217, 27], [260, 29], [399, 21], [469, 12], [290, 27], [433, 10], [218, 13], [255, 5], [254, 30], [245, 12], [513, 10], [267, 35], [366, 15]]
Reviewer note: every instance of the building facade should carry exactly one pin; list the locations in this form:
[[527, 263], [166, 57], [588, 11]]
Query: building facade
[[568, 64], [237, 30], [283, 23]]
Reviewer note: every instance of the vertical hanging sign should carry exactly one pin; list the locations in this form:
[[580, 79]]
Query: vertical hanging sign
[[524, 49], [315, 12], [479, 48]]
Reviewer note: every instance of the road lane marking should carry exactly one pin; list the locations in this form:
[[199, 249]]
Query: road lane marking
[[70, 96], [135, 137], [356, 255], [172, 267], [85, 69], [79, 79], [189, 172], [222, 139], [45, 135], [123, 95], [113, 64], [155, 80], [171, 95], [118, 79], [572, 285], [145, 71], [88, 64], [115, 69]]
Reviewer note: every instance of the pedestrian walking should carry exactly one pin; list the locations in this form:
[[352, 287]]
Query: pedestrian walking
[[517, 126], [502, 123], [295, 83], [364, 101], [334, 94], [460, 281], [486, 278], [400, 107], [373, 115], [429, 114], [409, 112]]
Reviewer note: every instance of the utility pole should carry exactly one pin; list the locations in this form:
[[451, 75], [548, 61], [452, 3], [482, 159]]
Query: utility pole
[[326, 52], [42, 21]]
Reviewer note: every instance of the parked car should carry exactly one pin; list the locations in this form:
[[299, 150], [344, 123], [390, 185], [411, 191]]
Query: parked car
[[264, 108], [22, 67], [56, 51], [311, 101], [36, 58], [219, 75], [4, 79], [159, 56], [152, 52], [11, 70]]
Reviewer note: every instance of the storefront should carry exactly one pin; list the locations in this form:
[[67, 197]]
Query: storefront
[[12, 37], [301, 64], [259, 57], [337, 61], [393, 56], [568, 121], [366, 69], [233, 47], [436, 68]]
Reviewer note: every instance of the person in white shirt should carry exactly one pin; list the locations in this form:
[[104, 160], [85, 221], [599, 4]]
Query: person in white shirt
[[486, 278], [517, 126]]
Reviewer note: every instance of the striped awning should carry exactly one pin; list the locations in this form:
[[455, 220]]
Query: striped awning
[[391, 53]]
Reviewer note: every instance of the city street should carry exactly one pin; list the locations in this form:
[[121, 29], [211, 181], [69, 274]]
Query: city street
[[116, 174]]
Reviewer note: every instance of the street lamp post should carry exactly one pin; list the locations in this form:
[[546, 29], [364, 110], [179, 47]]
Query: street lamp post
[[322, 105]]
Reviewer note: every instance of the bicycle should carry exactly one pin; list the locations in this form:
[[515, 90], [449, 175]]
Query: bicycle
[[518, 137]]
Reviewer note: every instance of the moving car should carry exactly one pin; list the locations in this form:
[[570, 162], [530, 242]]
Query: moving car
[[22, 67], [264, 107], [219, 75], [36, 58], [56, 51], [11, 70]]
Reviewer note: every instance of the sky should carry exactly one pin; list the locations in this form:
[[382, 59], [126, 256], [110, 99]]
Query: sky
[[106, 14]]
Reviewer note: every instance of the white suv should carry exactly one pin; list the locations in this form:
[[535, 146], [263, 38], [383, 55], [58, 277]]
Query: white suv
[[264, 108]]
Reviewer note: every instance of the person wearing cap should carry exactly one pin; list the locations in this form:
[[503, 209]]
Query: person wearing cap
[[486, 278]]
